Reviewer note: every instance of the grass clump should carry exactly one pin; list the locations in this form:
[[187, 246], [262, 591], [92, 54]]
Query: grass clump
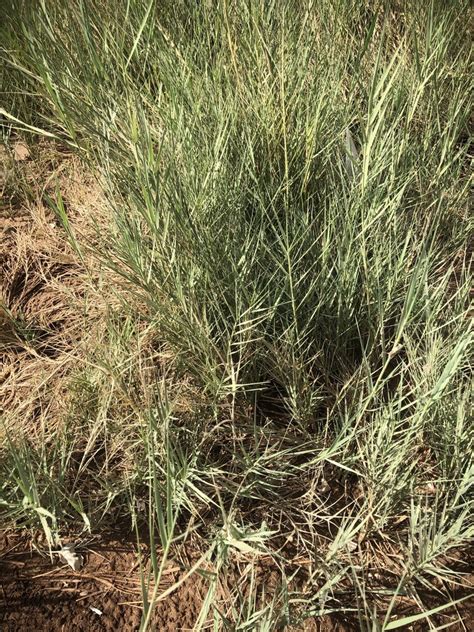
[[287, 373]]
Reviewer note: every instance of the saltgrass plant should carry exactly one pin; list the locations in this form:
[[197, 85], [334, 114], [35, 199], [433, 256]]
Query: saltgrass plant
[[289, 190]]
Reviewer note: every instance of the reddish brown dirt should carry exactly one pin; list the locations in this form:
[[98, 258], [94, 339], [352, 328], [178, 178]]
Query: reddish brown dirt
[[36, 593]]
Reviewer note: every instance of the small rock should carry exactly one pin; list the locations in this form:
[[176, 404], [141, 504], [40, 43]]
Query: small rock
[[20, 152], [323, 486], [429, 489], [96, 610], [68, 555]]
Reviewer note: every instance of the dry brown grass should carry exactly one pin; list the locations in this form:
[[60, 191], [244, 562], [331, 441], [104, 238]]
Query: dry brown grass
[[52, 300]]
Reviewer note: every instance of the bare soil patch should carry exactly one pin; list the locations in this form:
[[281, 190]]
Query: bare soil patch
[[103, 595]]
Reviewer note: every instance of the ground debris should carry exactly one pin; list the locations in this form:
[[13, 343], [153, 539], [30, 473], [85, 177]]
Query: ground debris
[[68, 555]]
